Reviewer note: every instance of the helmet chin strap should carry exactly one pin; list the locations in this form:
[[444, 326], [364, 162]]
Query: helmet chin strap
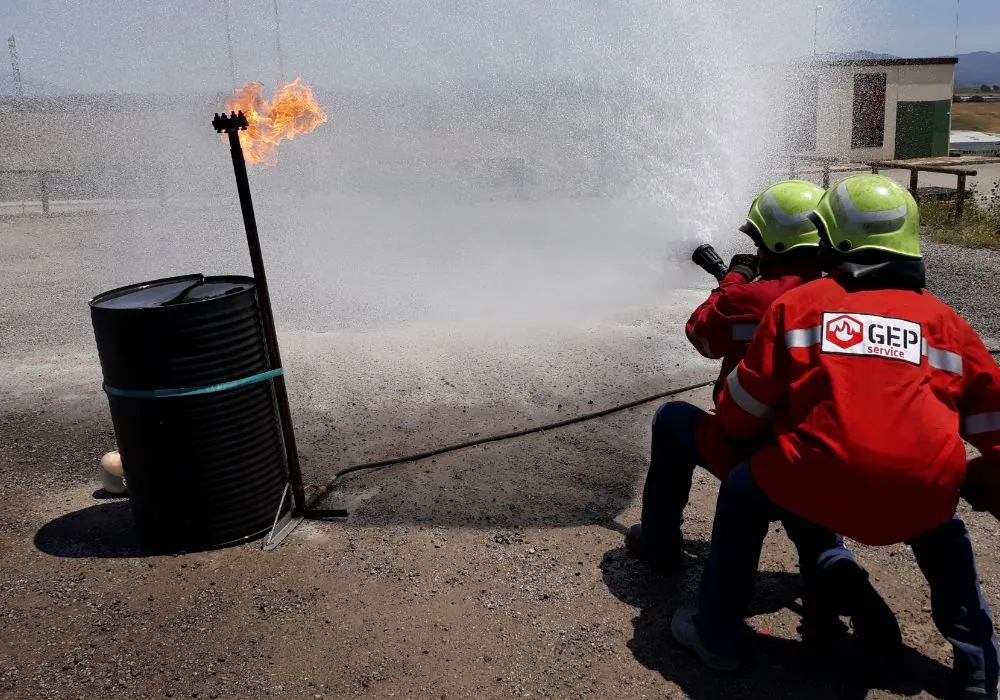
[[824, 235], [829, 257], [751, 231]]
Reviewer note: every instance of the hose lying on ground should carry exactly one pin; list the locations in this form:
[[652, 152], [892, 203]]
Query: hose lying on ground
[[321, 491]]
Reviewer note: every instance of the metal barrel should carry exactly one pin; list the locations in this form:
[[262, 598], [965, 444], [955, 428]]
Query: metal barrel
[[203, 470]]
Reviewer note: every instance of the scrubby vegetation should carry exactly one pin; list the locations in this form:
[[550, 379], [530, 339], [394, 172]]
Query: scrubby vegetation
[[979, 226]]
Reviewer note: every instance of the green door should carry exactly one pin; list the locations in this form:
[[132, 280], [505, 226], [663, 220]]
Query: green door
[[922, 128], [942, 128]]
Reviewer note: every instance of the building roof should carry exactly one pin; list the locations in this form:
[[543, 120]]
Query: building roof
[[971, 141], [962, 135]]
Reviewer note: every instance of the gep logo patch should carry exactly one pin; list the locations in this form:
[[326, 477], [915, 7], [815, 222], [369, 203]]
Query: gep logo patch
[[875, 336]]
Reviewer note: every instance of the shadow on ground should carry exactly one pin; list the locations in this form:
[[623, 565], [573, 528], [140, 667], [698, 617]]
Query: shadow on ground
[[773, 667], [105, 530], [585, 474]]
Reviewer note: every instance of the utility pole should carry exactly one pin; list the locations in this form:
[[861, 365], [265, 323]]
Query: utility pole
[[16, 67], [229, 43], [277, 34], [958, 4], [816, 27]]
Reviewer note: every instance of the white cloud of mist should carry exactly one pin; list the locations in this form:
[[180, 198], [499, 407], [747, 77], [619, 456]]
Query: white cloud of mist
[[505, 159], [180, 45]]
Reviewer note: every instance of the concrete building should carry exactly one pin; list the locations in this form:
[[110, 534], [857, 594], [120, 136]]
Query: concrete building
[[979, 142], [872, 109]]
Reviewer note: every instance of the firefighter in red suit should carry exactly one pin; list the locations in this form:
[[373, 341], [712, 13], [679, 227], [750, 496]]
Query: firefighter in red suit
[[868, 385], [684, 436]]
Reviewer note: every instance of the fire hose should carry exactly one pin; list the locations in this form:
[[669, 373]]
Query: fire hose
[[321, 491], [704, 256]]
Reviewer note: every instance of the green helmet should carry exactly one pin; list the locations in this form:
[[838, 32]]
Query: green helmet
[[871, 212], [779, 216]]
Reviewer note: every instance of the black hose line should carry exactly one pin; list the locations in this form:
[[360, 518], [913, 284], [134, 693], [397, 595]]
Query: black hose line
[[521, 433], [322, 491]]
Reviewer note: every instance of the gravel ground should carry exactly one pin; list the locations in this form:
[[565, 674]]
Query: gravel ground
[[492, 572], [967, 279]]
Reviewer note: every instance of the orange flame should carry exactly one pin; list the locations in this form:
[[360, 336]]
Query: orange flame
[[294, 111]]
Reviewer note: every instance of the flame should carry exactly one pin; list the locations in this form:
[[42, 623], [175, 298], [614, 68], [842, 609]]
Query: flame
[[294, 111]]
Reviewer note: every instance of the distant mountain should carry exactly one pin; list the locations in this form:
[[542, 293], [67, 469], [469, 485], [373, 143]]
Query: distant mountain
[[975, 69]]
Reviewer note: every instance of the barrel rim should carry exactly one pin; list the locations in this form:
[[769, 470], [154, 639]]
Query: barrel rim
[[94, 301]]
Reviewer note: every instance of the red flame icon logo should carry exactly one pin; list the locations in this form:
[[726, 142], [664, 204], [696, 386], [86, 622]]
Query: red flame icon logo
[[845, 331]]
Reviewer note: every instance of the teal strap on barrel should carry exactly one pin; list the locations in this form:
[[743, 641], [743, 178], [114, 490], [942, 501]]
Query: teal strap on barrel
[[174, 393]]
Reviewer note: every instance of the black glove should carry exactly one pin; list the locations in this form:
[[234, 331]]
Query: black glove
[[981, 488], [746, 265]]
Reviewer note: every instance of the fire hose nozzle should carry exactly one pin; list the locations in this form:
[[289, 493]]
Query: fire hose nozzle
[[707, 259]]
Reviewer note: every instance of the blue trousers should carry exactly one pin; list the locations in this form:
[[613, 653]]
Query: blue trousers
[[674, 455], [944, 554]]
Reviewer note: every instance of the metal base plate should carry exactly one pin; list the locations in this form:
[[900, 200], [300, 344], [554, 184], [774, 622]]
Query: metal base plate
[[285, 522], [281, 530]]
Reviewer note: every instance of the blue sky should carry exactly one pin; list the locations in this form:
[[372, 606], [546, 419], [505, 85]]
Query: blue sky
[[172, 45], [927, 27]]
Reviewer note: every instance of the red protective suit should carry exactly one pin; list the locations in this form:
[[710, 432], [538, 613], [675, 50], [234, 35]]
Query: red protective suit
[[868, 394], [721, 327]]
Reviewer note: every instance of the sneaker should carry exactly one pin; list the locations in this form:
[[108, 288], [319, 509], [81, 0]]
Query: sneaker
[[872, 620], [977, 691], [663, 560], [686, 634]]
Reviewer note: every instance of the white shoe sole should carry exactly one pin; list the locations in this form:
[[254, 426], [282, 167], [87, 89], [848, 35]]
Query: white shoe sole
[[678, 628]]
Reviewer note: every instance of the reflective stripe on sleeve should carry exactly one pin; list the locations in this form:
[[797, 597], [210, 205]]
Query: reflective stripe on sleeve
[[744, 331], [979, 423], [743, 398], [944, 360], [803, 337], [706, 348]]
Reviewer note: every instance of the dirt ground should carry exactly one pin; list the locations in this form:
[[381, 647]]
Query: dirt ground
[[495, 572]]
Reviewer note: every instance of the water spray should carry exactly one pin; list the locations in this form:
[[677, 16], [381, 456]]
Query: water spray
[[231, 125]]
